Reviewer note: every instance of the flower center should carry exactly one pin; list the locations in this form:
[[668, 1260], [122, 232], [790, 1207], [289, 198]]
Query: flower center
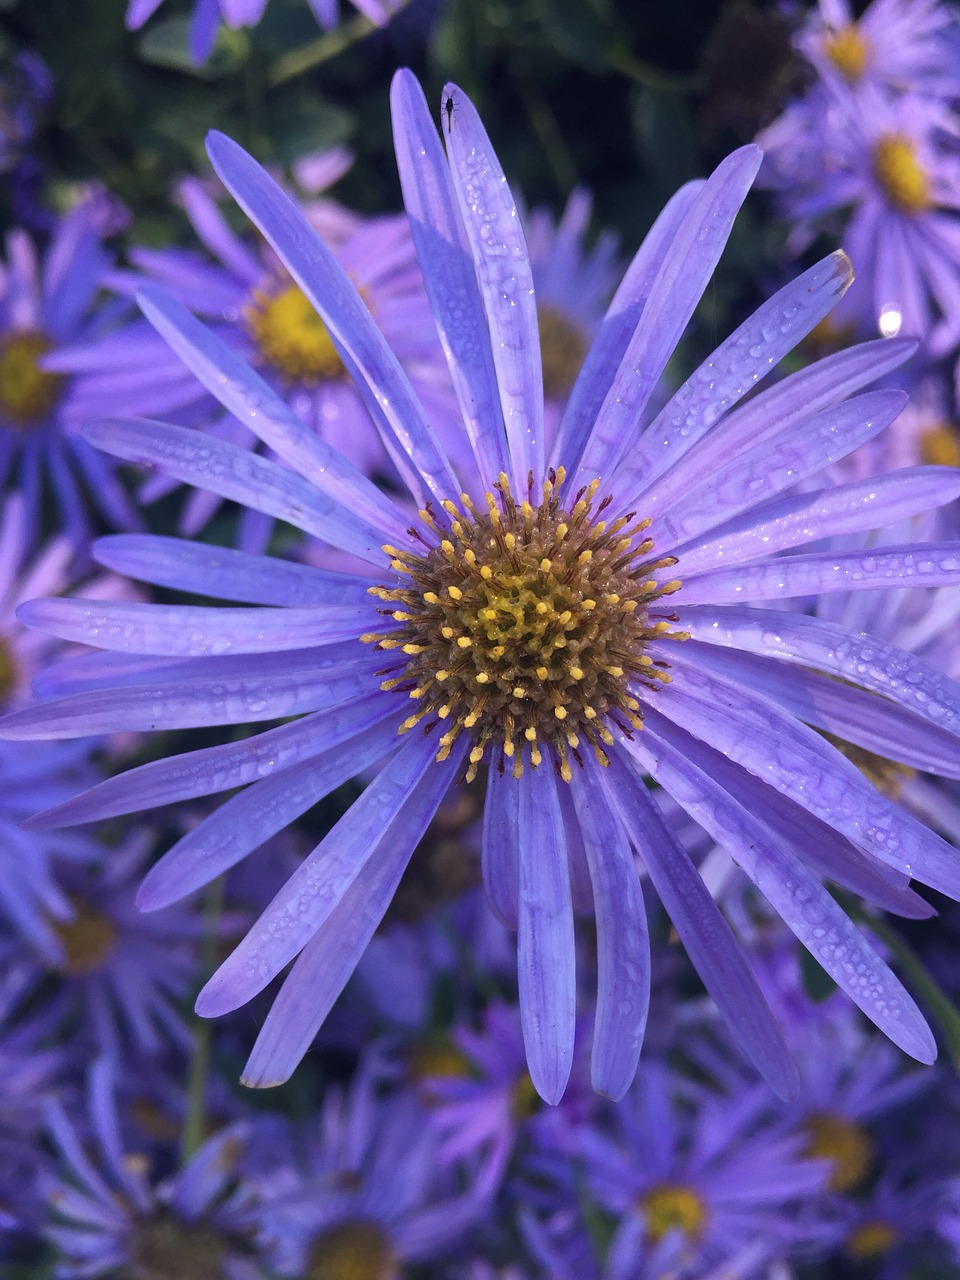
[[352, 1251], [669, 1206], [563, 348], [438, 1059], [847, 1145], [163, 1247], [525, 1101], [8, 672], [847, 50], [27, 392], [87, 939], [940, 446], [528, 626], [900, 174], [291, 336], [871, 1240], [888, 776]]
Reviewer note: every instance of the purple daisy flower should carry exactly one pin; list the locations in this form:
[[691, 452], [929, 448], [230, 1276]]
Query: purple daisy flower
[[104, 1213], [893, 164], [536, 628], [898, 45], [44, 304], [207, 15]]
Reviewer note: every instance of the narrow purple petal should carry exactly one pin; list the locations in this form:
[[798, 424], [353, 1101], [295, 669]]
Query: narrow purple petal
[[766, 469], [221, 572], [784, 405], [448, 273], [545, 943], [866, 719], [623, 945], [181, 631], [252, 401], [219, 467], [684, 274], [932, 564], [502, 266], [801, 764], [319, 883], [380, 381], [500, 847], [706, 936], [797, 896], [245, 821], [210, 769], [610, 344], [307, 682], [326, 963], [807, 517], [725, 377]]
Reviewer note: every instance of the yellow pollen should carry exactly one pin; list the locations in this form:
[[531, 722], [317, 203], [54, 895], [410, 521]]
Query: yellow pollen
[[87, 940], [900, 174], [847, 1145], [563, 346], [27, 392], [8, 672], [940, 446], [871, 1240], [291, 337], [670, 1207], [526, 627], [847, 50], [352, 1250]]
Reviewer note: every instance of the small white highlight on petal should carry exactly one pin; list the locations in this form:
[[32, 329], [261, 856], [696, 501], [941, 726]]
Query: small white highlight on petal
[[889, 320]]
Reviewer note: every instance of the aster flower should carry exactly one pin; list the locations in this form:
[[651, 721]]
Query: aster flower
[[46, 302], [893, 165], [105, 1213], [536, 628], [895, 45], [207, 15]]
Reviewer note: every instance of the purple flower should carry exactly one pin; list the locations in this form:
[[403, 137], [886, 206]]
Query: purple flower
[[624, 582], [207, 14], [25, 93], [45, 303], [885, 173], [105, 1213], [898, 45]]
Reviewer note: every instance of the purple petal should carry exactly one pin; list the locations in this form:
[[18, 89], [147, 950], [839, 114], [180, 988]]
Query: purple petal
[[796, 895], [255, 404], [380, 381], [610, 345], [807, 517], [179, 630], [207, 771], [623, 946], [201, 460], [801, 764], [319, 883], [931, 564], [866, 719], [706, 936], [245, 821], [503, 272], [684, 274], [725, 377], [326, 963], [545, 944], [448, 273], [500, 845], [221, 572], [784, 405], [307, 681], [777, 463]]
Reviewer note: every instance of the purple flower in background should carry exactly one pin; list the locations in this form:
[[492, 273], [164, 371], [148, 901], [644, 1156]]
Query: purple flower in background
[[207, 15], [105, 1215], [580, 627], [897, 45], [46, 302], [25, 92], [885, 175]]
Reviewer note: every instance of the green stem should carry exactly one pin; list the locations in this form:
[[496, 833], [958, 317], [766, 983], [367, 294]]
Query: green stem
[[194, 1119], [316, 52]]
